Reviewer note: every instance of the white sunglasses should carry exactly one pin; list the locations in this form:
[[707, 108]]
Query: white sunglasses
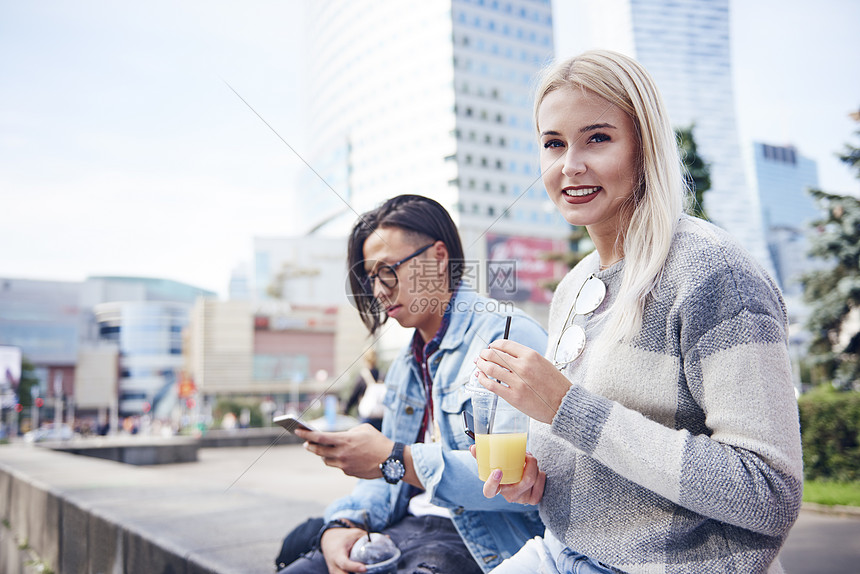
[[571, 342]]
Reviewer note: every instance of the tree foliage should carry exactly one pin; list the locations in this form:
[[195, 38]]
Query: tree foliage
[[27, 383], [698, 171], [834, 294]]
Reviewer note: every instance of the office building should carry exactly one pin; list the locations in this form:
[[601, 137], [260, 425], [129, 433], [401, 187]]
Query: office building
[[435, 98], [45, 320], [144, 318], [686, 46], [782, 180]]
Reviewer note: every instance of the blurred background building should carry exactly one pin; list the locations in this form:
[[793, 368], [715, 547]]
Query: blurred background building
[[781, 179]]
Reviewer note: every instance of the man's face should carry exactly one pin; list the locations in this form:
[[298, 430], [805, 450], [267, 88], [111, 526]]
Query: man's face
[[421, 280]]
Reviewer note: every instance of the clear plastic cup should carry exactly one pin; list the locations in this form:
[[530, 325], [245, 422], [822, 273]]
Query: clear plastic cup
[[377, 552], [501, 434]]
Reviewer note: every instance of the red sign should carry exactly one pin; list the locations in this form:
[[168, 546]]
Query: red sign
[[517, 267]]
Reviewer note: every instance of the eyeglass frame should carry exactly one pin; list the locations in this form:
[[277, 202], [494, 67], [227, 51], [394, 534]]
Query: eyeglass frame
[[568, 323], [372, 277]]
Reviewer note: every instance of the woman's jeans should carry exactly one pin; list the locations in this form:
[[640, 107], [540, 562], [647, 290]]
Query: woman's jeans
[[549, 556]]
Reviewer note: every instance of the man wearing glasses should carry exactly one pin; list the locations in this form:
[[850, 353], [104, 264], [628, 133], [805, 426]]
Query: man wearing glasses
[[419, 482]]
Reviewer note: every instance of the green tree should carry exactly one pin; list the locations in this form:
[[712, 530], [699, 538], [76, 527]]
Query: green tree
[[834, 294], [698, 171], [27, 383]]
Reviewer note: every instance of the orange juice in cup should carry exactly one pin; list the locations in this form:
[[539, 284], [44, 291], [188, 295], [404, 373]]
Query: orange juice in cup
[[501, 434], [506, 451]]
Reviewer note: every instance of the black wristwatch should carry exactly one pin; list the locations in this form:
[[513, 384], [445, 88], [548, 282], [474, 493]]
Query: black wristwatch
[[392, 467]]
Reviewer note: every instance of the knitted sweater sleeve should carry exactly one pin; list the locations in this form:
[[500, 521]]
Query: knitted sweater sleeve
[[707, 415]]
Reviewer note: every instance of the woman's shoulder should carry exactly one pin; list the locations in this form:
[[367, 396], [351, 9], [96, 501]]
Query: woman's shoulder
[[700, 245], [706, 261]]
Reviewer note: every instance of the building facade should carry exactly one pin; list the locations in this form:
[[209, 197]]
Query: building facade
[[782, 178], [434, 99], [47, 321]]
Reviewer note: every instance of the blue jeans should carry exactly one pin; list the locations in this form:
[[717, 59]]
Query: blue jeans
[[428, 545], [549, 556]]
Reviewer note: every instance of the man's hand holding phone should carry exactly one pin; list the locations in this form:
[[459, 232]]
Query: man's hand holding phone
[[357, 452]]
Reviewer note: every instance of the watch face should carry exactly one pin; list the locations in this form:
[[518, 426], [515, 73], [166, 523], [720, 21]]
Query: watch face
[[393, 470]]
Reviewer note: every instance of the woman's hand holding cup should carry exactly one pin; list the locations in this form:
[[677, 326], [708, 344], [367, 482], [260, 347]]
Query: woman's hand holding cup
[[529, 490]]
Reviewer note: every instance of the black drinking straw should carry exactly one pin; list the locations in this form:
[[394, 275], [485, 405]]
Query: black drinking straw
[[495, 396], [366, 525]]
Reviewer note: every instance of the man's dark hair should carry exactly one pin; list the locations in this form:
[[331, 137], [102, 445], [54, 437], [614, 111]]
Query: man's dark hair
[[418, 216]]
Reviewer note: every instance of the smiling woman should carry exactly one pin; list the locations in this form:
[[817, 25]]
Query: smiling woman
[[664, 421]]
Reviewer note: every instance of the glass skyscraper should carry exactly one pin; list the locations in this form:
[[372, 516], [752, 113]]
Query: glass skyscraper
[[782, 179]]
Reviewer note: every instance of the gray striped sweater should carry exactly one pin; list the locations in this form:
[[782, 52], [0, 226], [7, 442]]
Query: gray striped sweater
[[679, 451]]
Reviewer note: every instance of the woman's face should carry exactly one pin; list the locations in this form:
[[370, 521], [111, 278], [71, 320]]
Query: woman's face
[[589, 159], [421, 281]]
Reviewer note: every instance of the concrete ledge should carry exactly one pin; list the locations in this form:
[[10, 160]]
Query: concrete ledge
[[248, 437], [81, 514], [132, 450]]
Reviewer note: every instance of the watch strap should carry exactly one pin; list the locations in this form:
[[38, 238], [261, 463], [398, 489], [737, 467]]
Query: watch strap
[[336, 523]]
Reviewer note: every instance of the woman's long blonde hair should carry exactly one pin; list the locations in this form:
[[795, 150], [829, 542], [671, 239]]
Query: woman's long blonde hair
[[660, 197]]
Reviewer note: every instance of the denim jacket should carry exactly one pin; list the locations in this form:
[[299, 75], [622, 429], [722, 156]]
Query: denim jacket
[[492, 529]]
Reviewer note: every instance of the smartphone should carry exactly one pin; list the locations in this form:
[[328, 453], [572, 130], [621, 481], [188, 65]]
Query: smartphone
[[468, 425], [291, 423]]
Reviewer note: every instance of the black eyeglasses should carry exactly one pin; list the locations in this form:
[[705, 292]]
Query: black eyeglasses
[[387, 274], [571, 342]]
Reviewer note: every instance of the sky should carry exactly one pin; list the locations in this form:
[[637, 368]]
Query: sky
[[125, 151]]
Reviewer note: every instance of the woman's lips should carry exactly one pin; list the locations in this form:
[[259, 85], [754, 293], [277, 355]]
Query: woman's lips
[[580, 194]]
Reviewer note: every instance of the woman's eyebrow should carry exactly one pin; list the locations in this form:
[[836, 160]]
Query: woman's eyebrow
[[596, 127]]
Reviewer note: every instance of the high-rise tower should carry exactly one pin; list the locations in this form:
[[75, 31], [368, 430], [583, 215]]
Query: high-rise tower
[[782, 179], [435, 98]]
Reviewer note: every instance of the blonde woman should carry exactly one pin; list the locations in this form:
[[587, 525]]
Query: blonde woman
[[664, 422]]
